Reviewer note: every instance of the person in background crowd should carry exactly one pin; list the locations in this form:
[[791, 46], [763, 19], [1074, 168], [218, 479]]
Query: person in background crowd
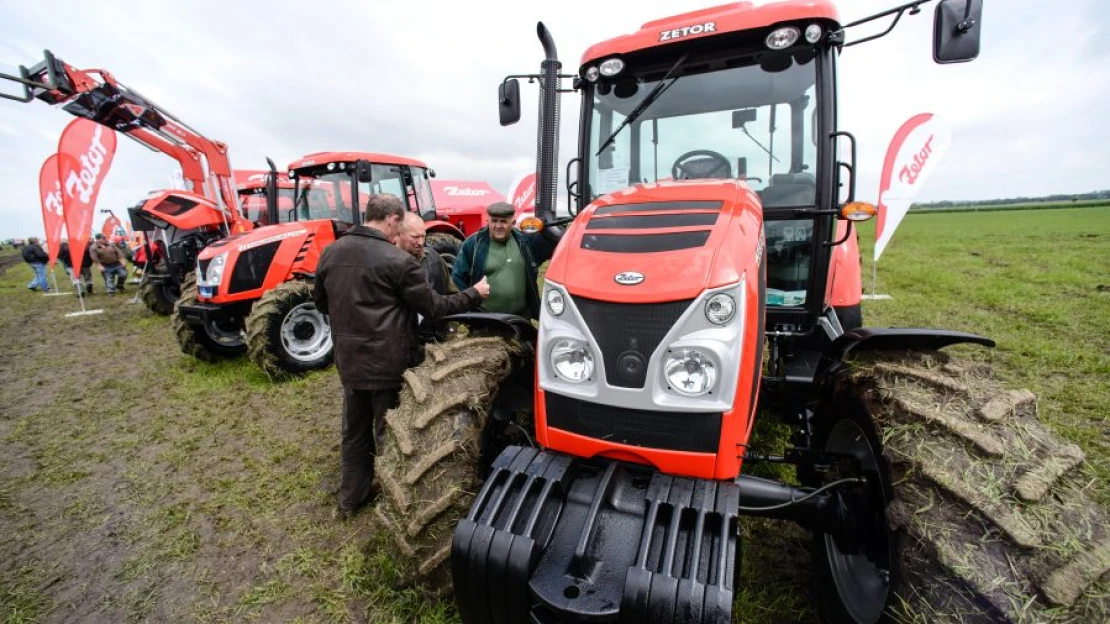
[[110, 259], [372, 292], [411, 239], [509, 258], [85, 283], [34, 255]]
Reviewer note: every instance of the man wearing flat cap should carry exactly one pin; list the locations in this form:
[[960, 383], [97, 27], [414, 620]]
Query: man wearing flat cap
[[508, 258]]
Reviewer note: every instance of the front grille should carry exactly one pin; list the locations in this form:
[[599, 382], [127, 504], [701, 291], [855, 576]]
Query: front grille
[[628, 333], [251, 267], [641, 222], [644, 243], [674, 431]]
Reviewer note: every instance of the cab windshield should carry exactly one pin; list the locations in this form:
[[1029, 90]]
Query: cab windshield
[[254, 205], [745, 122], [725, 119]]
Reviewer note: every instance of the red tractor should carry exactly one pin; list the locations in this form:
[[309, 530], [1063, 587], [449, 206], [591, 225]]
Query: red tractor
[[606, 450], [253, 292], [182, 222]]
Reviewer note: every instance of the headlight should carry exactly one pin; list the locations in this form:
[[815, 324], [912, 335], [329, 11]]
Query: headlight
[[592, 73], [720, 309], [690, 372], [572, 360], [215, 273], [555, 301], [813, 33], [782, 38], [611, 67]]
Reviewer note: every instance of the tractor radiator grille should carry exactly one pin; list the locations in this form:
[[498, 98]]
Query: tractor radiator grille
[[673, 431], [251, 267], [628, 333]]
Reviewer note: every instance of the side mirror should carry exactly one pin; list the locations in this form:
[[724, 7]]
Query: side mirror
[[363, 171], [956, 28], [508, 102]]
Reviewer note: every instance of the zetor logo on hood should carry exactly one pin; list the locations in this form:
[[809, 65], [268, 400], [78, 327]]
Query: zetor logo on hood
[[628, 278]]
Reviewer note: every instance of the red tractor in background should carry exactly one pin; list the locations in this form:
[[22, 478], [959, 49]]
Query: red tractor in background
[[181, 222], [607, 448], [253, 291]]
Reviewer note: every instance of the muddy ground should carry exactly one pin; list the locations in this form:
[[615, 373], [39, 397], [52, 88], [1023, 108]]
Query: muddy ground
[[139, 485]]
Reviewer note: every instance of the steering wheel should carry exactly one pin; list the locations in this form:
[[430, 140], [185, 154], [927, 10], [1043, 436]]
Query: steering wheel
[[715, 163]]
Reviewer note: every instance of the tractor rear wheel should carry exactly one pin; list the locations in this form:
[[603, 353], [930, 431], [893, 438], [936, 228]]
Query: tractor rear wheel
[[286, 334], [210, 342], [429, 468], [986, 516], [159, 297], [446, 245]]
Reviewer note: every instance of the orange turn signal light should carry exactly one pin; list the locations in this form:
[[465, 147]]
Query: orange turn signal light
[[531, 225], [858, 211]]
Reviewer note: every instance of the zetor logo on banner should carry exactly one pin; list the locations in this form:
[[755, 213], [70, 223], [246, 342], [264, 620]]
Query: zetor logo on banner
[[84, 183], [460, 191], [85, 154], [912, 171]]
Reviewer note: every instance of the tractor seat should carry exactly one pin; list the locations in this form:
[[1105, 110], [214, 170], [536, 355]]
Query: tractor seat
[[790, 189]]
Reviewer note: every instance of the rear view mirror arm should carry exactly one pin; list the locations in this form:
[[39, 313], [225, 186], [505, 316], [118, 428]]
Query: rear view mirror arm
[[913, 7]]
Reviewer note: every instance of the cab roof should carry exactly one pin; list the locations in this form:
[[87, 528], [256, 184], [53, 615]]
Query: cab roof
[[322, 158], [725, 18]]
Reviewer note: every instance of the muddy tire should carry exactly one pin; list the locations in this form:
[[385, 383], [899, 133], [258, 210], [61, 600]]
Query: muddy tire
[[197, 341], [286, 335], [159, 298], [987, 514], [429, 466], [446, 245]]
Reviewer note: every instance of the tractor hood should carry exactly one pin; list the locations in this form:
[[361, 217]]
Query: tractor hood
[[181, 209], [257, 237], [658, 242]]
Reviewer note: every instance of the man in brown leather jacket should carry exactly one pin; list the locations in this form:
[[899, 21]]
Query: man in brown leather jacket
[[372, 292]]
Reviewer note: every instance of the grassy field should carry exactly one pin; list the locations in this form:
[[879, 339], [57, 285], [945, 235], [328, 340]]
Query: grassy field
[[1086, 203], [139, 485]]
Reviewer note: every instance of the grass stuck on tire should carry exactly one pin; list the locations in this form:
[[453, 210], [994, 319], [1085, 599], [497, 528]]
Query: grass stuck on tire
[[429, 469], [991, 508]]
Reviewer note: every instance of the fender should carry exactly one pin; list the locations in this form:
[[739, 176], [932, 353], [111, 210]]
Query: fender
[[437, 226], [516, 326], [890, 339]]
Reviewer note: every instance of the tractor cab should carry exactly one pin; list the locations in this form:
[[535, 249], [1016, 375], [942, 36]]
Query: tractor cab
[[731, 94], [253, 199]]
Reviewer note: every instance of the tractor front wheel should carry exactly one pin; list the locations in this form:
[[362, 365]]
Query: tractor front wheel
[[429, 467], [159, 297], [446, 245], [286, 334], [977, 511], [209, 342]]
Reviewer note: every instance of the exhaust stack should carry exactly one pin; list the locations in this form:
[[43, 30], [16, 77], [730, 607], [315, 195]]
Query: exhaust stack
[[547, 141]]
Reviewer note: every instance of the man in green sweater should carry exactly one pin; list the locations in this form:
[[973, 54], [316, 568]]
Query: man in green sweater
[[508, 258]]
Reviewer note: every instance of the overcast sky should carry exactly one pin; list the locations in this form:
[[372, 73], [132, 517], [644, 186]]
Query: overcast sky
[[284, 79]]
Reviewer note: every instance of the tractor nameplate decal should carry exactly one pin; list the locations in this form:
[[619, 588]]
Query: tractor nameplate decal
[[628, 278], [271, 239], [686, 31]]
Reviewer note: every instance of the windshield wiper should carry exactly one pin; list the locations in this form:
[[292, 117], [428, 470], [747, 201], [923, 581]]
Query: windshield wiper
[[646, 102]]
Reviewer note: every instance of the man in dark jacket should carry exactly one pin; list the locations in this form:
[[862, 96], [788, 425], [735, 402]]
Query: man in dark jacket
[[37, 258], [509, 258], [372, 292]]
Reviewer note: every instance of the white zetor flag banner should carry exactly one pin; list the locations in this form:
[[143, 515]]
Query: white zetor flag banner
[[912, 157]]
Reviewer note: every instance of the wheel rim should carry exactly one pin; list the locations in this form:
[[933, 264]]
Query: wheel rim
[[305, 333], [862, 584]]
